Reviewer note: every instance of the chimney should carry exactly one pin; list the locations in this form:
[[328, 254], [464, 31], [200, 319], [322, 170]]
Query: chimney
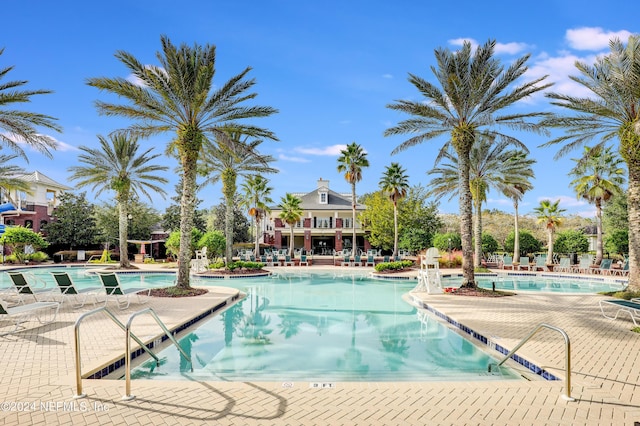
[[323, 183]]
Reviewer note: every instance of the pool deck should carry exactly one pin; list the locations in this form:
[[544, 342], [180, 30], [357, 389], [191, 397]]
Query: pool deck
[[38, 381]]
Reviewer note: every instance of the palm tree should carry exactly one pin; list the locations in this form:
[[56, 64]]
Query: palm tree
[[515, 192], [19, 127], [117, 166], [291, 212], [225, 162], [8, 180], [475, 90], [598, 177], [395, 184], [492, 165], [610, 112], [351, 162], [256, 197], [549, 214], [179, 96]]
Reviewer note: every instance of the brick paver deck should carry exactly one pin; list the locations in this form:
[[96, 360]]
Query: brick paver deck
[[37, 382]]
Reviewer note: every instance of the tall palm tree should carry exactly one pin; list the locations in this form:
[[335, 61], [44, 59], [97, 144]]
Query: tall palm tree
[[515, 192], [492, 165], [118, 167], [179, 96], [598, 177], [475, 91], [351, 162], [609, 113], [549, 214], [291, 212], [225, 161], [8, 180], [395, 184], [17, 127], [256, 197]]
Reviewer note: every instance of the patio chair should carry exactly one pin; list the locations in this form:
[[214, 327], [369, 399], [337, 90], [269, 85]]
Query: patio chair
[[20, 314], [357, 260], [371, 261], [113, 289], [524, 263], [507, 262], [68, 289], [584, 265], [631, 307], [385, 259], [604, 268], [23, 287], [541, 263], [303, 260], [563, 266], [288, 261], [347, 261], [622, 271]]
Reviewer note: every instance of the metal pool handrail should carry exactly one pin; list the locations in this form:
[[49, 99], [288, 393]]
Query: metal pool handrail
[[79, 393], [567, 395], [127, 345]]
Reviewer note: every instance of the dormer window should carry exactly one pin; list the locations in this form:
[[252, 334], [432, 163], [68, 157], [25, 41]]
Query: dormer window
[[323, 197]]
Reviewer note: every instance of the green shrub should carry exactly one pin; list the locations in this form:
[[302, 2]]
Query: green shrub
[[38, 256], [528, 243], [393, 266], [246, 265], [441, 241], [455, 262], [571, 241], [217, 264]]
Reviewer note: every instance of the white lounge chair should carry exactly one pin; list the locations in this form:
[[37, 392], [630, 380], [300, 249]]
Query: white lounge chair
[[630, 307], [524, 263], [563, 266], [114, 289], [23, 287], [68, 289], [22, 313]]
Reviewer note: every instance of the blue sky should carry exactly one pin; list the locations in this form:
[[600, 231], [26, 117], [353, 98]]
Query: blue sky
[[329, 67]]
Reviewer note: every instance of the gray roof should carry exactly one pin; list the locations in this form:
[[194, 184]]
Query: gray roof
[[39, 177], [335, 201]]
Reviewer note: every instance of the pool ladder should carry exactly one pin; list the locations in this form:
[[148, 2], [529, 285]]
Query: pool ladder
[[567, 343], [127, 346]]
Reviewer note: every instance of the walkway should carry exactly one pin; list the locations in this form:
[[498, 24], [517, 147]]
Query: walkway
[[38, 369]]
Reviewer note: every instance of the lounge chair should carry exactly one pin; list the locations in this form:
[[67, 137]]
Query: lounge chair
[[584, 265], [622, 271], [371, 261], [347, 261], [631, 307], [20, 314], [563, 266], [507, 262], [386, 259], [113, 289], [23, 287], [541, 263], [357, 260], [604, 268], [524, 263], [68, 289], [303, 260]]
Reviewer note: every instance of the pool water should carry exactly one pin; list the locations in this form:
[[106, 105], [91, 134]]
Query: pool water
[[543, 283], [323, 328]]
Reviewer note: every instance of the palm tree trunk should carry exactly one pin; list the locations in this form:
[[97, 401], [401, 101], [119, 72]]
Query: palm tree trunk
[[188, 160], [291, 241], [395, 229], [353, 216], [516, 236], [477, 261], [466, 216], [229, 190], [257, 222], [598, 231], [550, 242], [633, 195], [123, 223]]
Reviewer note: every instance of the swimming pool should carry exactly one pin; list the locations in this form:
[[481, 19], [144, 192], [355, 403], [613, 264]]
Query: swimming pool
[[323, 328], [531, 282]]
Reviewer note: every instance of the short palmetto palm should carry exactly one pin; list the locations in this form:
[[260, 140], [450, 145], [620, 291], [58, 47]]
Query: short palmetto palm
[[18, 127], [179, 97], [549, 214], [351, 162], [256, 198], [491, 165], [474, 94], [395, 184], [598, 176], [291, 212], [227, 160], [117, 166], [612, 111], [8, 178]]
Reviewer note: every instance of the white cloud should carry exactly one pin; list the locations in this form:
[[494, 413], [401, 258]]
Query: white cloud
[[284, 157], [558, 69], [389, 76], [510, 48], [499, 201], [332, 150], [593, 38], [344, 122], [587, 213], [565, 201], [460, 42], [60, 146]]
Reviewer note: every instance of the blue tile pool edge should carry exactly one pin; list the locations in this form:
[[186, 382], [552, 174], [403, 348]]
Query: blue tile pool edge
[[487, 341], [104, 371]]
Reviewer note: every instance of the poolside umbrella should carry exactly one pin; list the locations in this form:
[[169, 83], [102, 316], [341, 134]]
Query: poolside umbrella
[[142, 250]]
